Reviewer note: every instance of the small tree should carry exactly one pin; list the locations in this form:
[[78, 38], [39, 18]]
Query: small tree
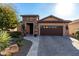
[[8, 18], [23, 29]]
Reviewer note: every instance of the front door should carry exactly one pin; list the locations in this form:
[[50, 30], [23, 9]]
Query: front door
[[29, 28]]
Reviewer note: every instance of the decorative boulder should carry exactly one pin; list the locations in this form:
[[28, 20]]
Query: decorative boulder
[[5, 52], [14, 48], [10, 50]]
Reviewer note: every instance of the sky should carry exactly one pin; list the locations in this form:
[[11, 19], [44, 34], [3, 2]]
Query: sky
[[66, 11]]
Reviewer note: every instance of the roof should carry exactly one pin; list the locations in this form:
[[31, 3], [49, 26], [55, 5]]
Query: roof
[[30, 15], [59, 20], [54, 21], [53, 17], [75, 21]]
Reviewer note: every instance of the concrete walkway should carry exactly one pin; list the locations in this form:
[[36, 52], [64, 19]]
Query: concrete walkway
[[34, 49], [53, 46]]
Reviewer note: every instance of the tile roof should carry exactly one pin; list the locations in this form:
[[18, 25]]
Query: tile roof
[[59, 20], [30, 15]]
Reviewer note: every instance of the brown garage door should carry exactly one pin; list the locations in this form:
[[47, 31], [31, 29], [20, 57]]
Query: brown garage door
[[51, 30]]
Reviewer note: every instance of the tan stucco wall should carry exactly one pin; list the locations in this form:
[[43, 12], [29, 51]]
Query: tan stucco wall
[[65, 32], [73, 27], [50, 19]]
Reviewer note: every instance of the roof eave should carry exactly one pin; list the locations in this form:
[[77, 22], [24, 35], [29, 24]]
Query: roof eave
[[30, 15], [54, 21]]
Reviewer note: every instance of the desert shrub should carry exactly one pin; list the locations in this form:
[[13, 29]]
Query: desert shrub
[[77, 35], [4, 40], [15, 34], [20, 42]]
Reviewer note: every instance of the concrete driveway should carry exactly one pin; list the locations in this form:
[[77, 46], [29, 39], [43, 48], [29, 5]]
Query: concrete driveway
[[54, 46]]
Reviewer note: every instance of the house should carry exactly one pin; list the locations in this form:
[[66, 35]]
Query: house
[[73, 27], [50, 25]]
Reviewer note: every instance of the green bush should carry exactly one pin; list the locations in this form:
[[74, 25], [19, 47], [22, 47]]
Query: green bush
[[4, 40], [18, 41], [15, 34], [77, 35]]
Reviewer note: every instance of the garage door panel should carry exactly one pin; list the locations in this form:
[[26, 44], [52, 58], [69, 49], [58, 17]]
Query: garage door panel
[[52, 31]]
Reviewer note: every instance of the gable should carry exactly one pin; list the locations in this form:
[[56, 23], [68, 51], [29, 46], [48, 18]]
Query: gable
[[51, 18]]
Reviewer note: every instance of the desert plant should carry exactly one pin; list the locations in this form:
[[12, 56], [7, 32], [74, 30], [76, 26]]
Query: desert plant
[[4, 40], [23, 29], [77, 35], [20, 41], [15, 34]]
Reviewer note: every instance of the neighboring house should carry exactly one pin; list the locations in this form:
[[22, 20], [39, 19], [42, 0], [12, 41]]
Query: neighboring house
[[49, 25], [73, 27]]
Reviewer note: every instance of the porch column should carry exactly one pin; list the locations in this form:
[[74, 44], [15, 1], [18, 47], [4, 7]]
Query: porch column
[[64, 30], [25, 27]]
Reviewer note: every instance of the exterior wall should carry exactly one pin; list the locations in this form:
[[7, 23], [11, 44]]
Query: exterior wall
[[31, 20], [73, 27], [36, 25], [65, 32], [19, 28], [50, 19]]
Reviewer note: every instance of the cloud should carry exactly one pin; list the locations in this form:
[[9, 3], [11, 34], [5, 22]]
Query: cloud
[[63, 9]]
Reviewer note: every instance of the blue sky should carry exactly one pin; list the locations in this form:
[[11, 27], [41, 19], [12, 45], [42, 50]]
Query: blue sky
[[46, 9]]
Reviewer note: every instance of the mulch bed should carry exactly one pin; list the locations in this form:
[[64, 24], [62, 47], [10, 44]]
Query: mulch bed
[[24, 49]]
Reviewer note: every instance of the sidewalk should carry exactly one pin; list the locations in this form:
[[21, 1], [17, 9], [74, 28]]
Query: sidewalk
[[34, 49], [75, 43]]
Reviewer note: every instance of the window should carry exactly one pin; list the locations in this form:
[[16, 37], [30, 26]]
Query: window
[[41, 26], [46, 27], [52, 26], [27, 18]]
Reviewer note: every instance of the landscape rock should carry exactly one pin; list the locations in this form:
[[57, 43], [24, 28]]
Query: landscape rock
[[10, 50]]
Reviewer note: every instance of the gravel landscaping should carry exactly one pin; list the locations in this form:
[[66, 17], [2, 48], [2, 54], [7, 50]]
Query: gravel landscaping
[[24, 49]]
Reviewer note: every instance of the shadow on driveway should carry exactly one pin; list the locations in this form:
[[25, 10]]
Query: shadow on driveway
[[56, 46]]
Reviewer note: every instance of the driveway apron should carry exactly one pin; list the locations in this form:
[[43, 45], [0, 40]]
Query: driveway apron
[[52, 46], [56, 46]]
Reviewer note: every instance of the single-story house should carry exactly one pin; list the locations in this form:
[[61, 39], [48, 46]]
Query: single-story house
[[73, 27], [50, 25]]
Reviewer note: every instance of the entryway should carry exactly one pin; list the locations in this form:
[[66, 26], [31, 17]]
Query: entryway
[[30, 28]]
